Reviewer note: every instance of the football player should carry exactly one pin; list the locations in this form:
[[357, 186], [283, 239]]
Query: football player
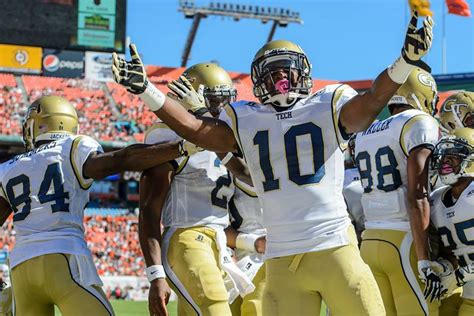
[[246, 235], [457, 111], [392, 157], [352, 189], [452, 206], [193, 257], [47, 189], [293, 145]]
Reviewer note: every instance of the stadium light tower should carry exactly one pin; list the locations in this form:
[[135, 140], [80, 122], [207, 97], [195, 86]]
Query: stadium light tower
[[279, 17]]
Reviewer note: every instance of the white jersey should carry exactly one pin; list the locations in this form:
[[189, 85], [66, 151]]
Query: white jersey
[[381, 156], [48, 193], [201, 188], [296, 161], [455, 225], [246, 213], [352, 191]]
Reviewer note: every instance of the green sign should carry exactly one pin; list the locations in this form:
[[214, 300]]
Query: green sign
[[96, 23]]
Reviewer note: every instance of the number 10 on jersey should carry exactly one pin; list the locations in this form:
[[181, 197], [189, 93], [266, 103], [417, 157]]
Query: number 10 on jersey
[[262, 140]]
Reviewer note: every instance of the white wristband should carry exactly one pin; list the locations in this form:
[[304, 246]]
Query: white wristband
[[399, 70], [153, 97], [246, 241], [227, 158], [155, 272]]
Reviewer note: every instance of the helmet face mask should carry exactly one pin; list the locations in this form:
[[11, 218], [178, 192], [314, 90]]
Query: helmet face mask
[[217, 99], [281, 74], [453, 158]]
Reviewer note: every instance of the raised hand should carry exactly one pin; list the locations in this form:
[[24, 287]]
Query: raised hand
[[183, 92], [130, 74], [418, 40]]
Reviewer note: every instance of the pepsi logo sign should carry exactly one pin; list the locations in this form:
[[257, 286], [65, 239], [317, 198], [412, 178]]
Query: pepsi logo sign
[[51, 63]]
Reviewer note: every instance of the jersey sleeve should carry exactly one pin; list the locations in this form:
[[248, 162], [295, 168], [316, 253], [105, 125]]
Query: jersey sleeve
[[229, 116], [420, 130], [82, 148], [341, 95], [160, 133]]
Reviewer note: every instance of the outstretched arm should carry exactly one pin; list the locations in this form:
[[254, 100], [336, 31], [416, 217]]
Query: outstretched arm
[[208, 133], [136, 157], [359, 112]]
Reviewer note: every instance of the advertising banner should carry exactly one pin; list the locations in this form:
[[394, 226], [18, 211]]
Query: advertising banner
[[24, 59], [63, 63], [99, 66]]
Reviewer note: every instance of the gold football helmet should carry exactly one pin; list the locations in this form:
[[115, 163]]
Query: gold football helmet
[[48, 118], [457, 111], [276, 56], [458, 146], [218, 87], [419, 91]]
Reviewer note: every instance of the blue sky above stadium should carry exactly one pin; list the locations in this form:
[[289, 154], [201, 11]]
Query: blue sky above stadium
[[344, 39]]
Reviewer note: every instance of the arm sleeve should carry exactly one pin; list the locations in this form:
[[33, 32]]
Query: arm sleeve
[[229, 116], [81, 149], [160, 134], [420, 130], [341, 95]]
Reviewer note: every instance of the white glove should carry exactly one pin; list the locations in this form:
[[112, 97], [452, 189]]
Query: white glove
[[432, 280], [130, 74], [183, 92], [464, 274], [417, 41], [187, 148]]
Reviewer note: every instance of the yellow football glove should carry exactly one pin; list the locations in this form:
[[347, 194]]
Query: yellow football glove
[[183, 92], [130, 74], [417, 41]]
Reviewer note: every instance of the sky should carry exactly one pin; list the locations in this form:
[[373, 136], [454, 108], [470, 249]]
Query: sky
[[344, 39]]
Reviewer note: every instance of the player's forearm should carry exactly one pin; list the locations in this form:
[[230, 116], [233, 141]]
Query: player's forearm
[[202, 131], [363, 109], [136, 157], [139, 157], [149, 234], [237, 167], [231, 233], [419, 214]]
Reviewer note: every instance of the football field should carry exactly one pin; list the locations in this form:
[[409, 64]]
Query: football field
[[132, 308]]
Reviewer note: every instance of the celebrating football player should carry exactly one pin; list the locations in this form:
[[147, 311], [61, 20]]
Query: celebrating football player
[[47, 188], [193, 251], [293, 144], [392, 157], [452, 206]]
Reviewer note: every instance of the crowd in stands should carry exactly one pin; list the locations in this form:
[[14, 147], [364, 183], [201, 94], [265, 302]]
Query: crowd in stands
[[113, 241], [106, 112]]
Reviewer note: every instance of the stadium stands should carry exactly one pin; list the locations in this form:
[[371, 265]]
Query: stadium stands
[[113, 241]]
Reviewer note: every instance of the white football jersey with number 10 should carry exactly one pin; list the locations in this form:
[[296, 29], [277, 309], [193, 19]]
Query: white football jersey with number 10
[[381, 155], [296, 161], [48, 193]]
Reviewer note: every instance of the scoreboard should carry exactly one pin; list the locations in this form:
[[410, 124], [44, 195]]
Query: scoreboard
[[97, 25]]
